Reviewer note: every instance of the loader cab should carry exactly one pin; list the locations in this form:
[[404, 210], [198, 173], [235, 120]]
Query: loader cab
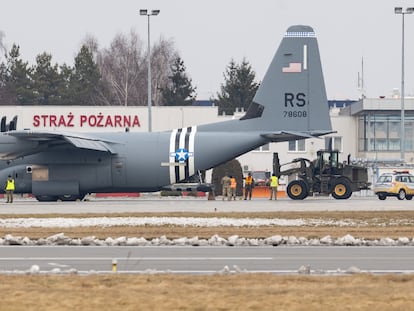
[[327, 162]]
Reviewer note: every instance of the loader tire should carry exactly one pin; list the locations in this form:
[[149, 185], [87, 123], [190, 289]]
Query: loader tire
[[297, 190], [341, 189]]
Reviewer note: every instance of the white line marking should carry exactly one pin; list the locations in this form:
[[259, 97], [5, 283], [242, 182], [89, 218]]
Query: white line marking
[[182, 145], [305, 57], [172, 158], [191, 168]]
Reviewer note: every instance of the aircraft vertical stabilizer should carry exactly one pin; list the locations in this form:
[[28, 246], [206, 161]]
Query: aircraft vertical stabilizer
[[291, 99], [293, 89]]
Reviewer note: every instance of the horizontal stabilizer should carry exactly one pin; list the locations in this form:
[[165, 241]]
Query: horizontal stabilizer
[[293, 135]]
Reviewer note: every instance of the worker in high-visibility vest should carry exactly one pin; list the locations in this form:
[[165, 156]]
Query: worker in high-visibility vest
[[9, 187], [248, 186], [233, 186], [274, 183]]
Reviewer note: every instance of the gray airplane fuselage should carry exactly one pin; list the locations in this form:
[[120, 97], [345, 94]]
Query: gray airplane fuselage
[[143, 162]]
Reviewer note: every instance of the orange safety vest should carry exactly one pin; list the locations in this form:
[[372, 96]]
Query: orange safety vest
[[233, 183], [249, 180]]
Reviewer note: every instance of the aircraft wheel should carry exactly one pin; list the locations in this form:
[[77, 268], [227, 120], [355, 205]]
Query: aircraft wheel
[[70, 197], [409, 197], [46, 198], [297, 190], [341, 190]]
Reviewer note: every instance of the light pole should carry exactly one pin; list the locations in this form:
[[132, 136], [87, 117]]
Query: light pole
[[149, 14], [399, 10]]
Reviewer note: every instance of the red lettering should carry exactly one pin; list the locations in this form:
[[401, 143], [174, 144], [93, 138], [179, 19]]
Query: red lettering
[[52, 121], [44, 117], [92, 121], [118, 120], [100, 119], [127, 121], [108, 122], [83, 120], [136, 122], [70, 119], [36, 120], [62, 121]]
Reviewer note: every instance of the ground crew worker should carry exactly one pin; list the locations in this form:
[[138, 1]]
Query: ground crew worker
[[225, 183], [233, 186], [274, 183], [9, 187], [248, 186]]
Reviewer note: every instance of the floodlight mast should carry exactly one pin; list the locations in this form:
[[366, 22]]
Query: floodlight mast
[[145, 12], [399, 10]]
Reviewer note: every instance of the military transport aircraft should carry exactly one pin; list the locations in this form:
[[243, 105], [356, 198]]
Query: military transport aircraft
[[290, 104]]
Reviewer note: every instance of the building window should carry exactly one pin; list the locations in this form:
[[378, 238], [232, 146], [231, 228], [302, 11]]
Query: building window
[[263, 148], [333, 143], [297, 145], [381, 132]]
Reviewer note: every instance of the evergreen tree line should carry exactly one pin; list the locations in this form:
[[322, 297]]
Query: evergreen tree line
[[116, 75]]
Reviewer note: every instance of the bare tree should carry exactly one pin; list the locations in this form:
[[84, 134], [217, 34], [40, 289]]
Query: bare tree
[[121, 68], [91, 42], [163, 55], [3, 49]]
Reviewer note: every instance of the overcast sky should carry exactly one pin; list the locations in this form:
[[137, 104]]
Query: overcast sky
[[208, 34]]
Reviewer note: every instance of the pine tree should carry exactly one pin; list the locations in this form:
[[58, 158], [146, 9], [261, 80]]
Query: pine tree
[[47, 81], [16, 83], [179, 91], [83, 80], [238, 89]]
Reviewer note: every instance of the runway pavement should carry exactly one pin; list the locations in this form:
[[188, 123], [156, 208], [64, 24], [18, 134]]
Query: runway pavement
[[153, 203], [208, 260], [205, 259]]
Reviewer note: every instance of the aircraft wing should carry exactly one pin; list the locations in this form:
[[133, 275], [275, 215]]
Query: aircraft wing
[[31, 142], [294, 135]]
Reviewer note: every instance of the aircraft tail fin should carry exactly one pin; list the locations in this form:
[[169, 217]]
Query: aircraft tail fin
[[292, 96]]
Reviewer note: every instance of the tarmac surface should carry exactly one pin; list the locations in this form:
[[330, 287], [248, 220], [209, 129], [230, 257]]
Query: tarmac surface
[[193, 260], [156, 204], [207, 260]]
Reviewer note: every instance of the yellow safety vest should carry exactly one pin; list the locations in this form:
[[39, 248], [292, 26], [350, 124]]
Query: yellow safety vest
[[233, 183], [249, 180], [274, 182], [10, 185]]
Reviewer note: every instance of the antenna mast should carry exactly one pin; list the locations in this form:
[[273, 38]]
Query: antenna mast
[[361, 85]]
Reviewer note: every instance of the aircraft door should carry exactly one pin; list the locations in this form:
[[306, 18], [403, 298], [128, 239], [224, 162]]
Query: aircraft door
[[39, 172], [118, 172]]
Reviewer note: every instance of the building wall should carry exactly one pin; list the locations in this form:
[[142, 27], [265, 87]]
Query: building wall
[[107, 118]]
